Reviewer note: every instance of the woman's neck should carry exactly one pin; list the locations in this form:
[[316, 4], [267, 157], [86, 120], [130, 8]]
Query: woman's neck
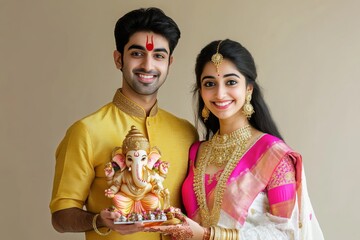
[[228, 126]]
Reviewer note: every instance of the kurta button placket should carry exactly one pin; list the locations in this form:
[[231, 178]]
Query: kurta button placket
[[148, 130]]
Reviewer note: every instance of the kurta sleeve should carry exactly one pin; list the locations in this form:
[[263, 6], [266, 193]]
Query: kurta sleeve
[[74, 171]]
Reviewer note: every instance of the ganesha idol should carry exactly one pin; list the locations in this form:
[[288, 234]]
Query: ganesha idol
[[136, 176]]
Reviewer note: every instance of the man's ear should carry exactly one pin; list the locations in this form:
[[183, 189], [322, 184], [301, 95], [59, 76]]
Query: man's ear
[[171, 59], [117, 59]]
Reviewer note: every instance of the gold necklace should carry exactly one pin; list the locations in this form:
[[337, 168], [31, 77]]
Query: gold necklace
[[219, 150], [223, 145]]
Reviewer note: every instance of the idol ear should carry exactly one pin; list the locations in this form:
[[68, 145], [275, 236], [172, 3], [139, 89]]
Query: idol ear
[[153, 157], [120, 160]]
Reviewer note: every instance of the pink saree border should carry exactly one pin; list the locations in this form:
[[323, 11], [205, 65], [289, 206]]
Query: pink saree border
[[248, 178]]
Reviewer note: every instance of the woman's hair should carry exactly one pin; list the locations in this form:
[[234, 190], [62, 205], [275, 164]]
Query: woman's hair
[[245, 64], [146, 19]]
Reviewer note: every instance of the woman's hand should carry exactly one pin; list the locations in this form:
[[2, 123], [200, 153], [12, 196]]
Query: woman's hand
[[188, 229]]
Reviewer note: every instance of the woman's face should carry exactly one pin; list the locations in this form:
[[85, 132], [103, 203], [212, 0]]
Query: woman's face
[[224, 91]]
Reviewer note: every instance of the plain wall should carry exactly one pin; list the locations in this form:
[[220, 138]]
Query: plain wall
[[56, 66]]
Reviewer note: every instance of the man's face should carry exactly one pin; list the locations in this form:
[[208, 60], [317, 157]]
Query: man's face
[[145, 63]]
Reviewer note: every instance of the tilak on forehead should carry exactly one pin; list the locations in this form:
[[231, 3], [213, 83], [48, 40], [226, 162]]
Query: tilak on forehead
[[149, 45], [217, 58]]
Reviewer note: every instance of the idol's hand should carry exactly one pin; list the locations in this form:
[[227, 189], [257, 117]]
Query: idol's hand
[[188, 229], [109, 193], [108, 218], [109, 170], [156, 190]]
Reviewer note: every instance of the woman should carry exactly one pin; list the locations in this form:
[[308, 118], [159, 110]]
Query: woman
[[244, 182]]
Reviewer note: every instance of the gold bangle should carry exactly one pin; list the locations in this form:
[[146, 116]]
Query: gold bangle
[[217, 233], [224, 233], [237, 234], [233, 236], [96, 229], [227, 234], [212, 232], [206, 235]]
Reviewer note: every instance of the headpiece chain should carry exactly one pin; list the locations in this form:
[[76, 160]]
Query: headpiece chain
[[217, 58]]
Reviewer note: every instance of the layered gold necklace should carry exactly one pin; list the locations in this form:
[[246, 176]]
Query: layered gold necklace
[[222, 151]]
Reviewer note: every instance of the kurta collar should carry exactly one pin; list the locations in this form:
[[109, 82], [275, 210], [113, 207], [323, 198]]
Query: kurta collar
[[130, 107]]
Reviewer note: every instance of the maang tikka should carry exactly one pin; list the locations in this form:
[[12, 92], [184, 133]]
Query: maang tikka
[[217, 58]]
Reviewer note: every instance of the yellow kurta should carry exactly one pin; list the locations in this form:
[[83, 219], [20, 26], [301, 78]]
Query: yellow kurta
[[87, 146]]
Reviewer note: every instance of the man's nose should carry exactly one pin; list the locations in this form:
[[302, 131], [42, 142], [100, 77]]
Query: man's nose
[[147, 63]]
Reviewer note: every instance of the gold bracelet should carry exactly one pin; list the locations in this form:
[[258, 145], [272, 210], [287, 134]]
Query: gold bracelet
[[237, 234], [206, 235], [217, 233], [223, 233], [212, 232], [227, 234], [233, 235], [96, 229]]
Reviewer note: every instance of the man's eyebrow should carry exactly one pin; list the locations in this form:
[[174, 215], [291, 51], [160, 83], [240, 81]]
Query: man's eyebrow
[[134, 46], [161, 50], [139, 47]]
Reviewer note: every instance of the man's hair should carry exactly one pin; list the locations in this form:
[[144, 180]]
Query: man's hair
[[146, 19]]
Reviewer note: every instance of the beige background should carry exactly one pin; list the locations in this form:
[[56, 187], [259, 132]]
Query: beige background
[[56, 66]]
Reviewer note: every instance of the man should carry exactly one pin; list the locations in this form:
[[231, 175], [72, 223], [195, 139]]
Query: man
[[145, 40]]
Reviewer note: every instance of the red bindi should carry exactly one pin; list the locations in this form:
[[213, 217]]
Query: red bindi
[[149, 45]]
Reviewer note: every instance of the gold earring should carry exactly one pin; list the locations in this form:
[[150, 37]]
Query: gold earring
[[205, 113], [248, 109]]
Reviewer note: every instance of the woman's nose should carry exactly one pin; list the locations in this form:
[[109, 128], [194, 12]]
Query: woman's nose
[[220, 92]]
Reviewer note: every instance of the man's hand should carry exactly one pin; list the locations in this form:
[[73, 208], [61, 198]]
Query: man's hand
[[107, 217]]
